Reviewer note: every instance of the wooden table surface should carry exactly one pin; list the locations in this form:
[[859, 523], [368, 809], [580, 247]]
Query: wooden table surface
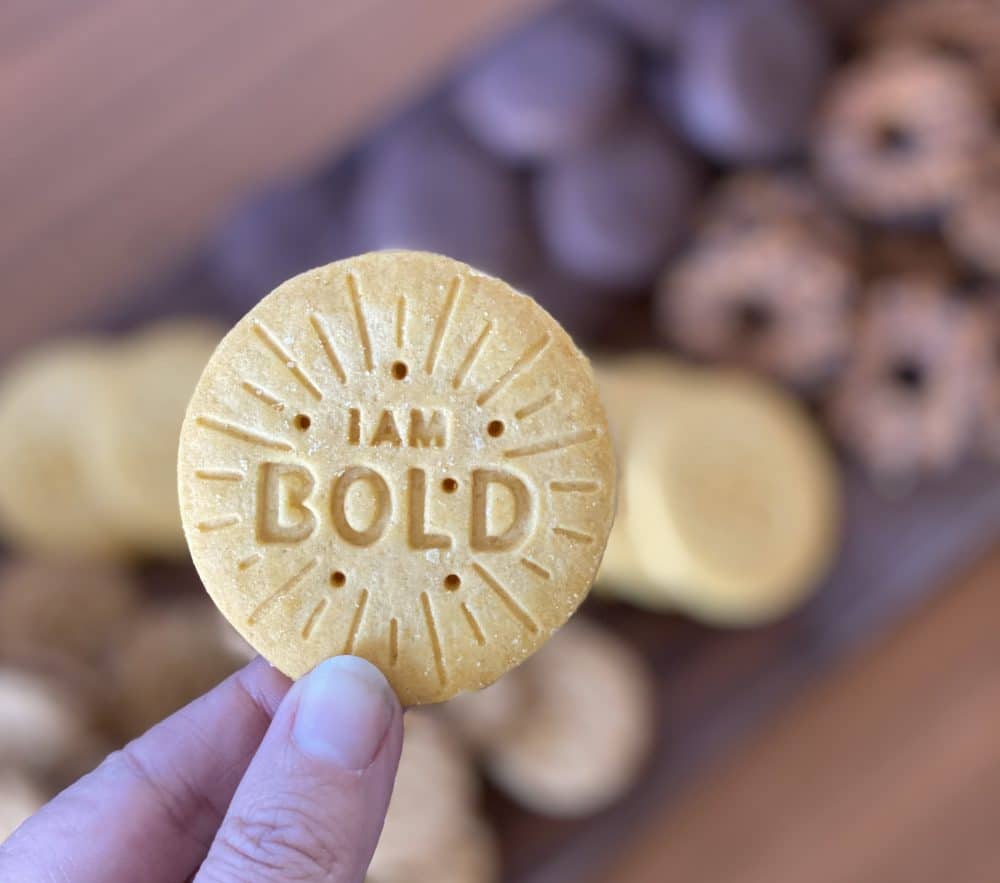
[[130, 127]]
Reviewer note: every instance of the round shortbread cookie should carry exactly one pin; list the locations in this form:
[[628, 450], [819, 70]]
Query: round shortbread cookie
[[734, 500], [136, 426], [47, 499], [588, 731], [19, 799], [399, 457], [434, 798], [74, 609]]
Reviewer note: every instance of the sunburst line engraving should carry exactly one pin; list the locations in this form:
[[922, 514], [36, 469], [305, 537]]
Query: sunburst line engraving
[[534, 407], [425, 603], [574, 486], [314, 618], [474, 627], [536, 568], [278, 350], [251, 561], [401, 322], [326, 341], [286, 587], [393, 641], [241, 433], [576, 535], [548, 445], [262, 395], [233, 475], [220, 523], [359, 615], [443, 321], [470, 357], [509, 601], [364, 338], [523, 363]]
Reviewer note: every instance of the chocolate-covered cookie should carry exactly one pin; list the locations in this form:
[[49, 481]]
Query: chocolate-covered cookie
[[748, 78], [613, 212], [546, 89], [424, 184]]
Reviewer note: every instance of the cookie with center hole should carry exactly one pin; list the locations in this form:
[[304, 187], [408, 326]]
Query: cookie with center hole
[[400, 457]]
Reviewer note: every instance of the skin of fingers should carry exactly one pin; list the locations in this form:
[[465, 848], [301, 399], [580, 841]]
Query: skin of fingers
[[150, 811], [312, 803]]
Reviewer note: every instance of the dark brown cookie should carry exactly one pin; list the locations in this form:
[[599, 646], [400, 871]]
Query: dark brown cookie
[[424, 184], [748, 78], [775, 299], [912, 394], [547, 89], [612, 213], [900, 133]]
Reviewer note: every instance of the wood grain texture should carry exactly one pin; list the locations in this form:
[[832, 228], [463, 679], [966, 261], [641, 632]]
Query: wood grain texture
[[887, 773], [130, 128]]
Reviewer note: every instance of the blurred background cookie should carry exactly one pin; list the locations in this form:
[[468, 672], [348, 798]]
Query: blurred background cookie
[[48, 499], [72, 609], [654, 24], [135, 429], [972, 227], [900, 133], [747, 77], [19, 798], [613, 212], [546, 89], [587, 733], [908, 399]]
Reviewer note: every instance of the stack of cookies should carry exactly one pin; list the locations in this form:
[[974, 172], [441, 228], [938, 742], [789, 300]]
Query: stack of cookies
[[88, 436], [729, 497]]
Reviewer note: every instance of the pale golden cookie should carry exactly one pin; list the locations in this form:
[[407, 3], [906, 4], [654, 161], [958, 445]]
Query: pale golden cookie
[[171, 655], [399, 457], [70, 608], [734, 498], [482, 717], [472, 856], [434, 798], [136, 425], [19, 798], [582, 743], [47, 499]]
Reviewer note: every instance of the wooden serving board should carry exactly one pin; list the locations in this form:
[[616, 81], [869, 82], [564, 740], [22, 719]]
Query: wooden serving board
[[716, 687]]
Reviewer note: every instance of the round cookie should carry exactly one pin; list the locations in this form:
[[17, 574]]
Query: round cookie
[[900, 134], [136, 426], [47, 495], [482, 717], [399, 457], [57, 606], [748, 76], [735, 502], [433, 803], [547, 89], [612, 213], [584, 739], [170, 656], [19, 799]]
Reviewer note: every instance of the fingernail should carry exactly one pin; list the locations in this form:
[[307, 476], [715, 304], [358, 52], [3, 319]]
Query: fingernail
[[344, 710]]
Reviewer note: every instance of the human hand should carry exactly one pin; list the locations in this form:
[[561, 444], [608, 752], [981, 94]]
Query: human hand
[[257, 781]]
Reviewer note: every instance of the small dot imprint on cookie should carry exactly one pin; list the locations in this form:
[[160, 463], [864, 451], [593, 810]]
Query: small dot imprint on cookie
[[753, 318], [452, 582], [443, 321], [534, 407], [495, 428], [449, 485], [326, 341], [270, 340], [470, 357], [895, 139], [908, 376], [359, 615], [364, 337], [400, 370], [338, 579], [261, 394], [302, 422]]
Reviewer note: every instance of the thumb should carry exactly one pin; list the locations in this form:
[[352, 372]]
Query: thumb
[[313, 800]]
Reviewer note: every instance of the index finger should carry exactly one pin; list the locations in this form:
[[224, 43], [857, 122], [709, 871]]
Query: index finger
[[151, 810]]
